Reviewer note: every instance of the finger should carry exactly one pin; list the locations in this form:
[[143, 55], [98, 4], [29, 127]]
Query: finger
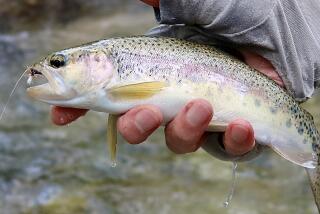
[[263, 65], [153, 3], [138, 123], [62, 116], [186, 132], [239, 137]]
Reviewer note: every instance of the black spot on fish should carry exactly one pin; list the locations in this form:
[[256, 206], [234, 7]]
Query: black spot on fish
[[273, 110], [314, 139], [315, 147], [300, 130]]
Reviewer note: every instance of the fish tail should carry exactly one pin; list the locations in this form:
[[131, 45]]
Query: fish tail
[[314, 174], [314, 177]]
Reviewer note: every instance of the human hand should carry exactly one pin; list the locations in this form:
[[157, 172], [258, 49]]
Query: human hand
[[185, 133]]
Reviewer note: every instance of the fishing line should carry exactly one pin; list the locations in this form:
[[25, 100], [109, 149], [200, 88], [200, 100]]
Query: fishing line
[[12, 92], [233, 186]]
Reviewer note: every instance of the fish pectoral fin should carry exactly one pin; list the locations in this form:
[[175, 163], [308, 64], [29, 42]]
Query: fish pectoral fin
[[112, 138], [298, 154], [137, 90], [217, 126]]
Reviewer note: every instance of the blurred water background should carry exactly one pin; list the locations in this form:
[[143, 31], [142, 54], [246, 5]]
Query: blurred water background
[[64, 170]]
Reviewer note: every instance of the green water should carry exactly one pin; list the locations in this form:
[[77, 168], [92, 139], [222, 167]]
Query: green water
[[64, 170]]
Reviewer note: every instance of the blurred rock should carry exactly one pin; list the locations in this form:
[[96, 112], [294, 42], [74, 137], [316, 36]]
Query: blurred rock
[[33, 14]]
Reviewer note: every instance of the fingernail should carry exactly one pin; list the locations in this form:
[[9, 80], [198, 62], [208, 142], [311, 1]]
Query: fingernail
[[197, 114], [239, 134], [145, 120]]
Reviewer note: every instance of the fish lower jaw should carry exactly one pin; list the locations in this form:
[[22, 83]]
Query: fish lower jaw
[[41, 92], [47, 94]]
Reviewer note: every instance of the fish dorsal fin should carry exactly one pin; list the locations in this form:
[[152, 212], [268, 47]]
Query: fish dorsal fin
[[136, 91]]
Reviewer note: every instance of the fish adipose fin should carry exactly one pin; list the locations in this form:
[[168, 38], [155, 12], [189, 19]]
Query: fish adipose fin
[[137, 90], [112, 138]]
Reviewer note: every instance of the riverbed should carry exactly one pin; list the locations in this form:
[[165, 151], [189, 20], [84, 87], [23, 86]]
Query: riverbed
[[62, 170]]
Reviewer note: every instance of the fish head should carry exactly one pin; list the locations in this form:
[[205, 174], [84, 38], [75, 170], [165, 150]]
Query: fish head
[[71, 75]]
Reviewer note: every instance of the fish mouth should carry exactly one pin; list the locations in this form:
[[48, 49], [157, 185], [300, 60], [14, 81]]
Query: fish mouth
[[55, 89], [33, 72]]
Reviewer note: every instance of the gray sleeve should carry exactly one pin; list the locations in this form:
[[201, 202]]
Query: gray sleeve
[[285, 32]]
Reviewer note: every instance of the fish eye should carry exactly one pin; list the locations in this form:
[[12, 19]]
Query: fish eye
[[57, 61]]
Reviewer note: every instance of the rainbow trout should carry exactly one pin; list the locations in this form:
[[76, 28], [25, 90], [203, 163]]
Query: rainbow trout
[[115, 75]]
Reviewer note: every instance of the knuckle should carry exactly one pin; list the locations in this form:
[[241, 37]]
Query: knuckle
[[181, 149], [180, 143]]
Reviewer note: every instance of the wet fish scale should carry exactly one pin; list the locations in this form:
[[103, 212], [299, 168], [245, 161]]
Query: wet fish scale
[[180, 71], [148, 60]]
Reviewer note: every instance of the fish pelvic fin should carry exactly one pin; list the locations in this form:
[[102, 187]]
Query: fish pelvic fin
[[112, 138], [137, 91]]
